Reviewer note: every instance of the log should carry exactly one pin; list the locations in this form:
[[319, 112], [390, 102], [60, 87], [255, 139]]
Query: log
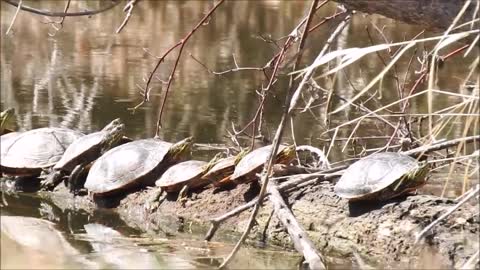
[[298, 236], [382, 232], [435, 15]]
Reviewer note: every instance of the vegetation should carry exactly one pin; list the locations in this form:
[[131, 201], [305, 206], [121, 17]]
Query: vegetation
[[302, 78]]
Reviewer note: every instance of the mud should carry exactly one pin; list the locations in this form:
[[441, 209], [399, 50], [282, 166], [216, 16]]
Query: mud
[[381, 233]]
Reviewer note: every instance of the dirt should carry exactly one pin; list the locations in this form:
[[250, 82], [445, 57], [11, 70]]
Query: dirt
[[381, 233]]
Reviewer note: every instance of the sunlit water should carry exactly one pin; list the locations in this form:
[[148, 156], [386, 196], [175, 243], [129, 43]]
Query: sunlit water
[[85, 75]]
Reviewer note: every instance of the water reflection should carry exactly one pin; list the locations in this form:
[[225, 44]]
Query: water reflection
[[85, 75], [41, 245], [47, 233], [117, 251]]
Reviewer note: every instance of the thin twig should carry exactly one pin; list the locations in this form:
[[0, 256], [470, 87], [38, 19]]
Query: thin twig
[[310, 71], [62, 14], [298, 181], [60, 23], [310, 254], [264, 175], [180, 44], [14, 17], [450, 211], [128, 8], [472, 261]]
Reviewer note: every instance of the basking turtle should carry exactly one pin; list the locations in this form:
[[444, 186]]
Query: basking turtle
[[219, 174], [6, 140], [82, 152], [185, 175], [253, 162], [381, 176], [29, 153], [6, 117], [135, 163]]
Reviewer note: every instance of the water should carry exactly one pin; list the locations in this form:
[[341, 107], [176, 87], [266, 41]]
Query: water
[[85, 75], [43, 234]]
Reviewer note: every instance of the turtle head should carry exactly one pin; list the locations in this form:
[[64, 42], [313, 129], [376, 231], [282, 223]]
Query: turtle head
[[414, 179], [286, 155], [419, 175], [213, 161], [115, 122], [181, 148], [241, 154], [113, 135], [6, 117]]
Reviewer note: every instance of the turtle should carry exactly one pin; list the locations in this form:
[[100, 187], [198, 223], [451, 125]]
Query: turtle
[[6, 117], [219, 174], [7, 139], [82, 152], [137, 163], [31, 152], [185, 175], [381, 176], [253, 162]]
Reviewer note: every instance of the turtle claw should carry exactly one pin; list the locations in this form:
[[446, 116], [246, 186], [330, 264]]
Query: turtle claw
[[51, 181], [182, 196], [155, 200]]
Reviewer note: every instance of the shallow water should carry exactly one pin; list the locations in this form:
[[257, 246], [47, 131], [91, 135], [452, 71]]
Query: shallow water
[[85, 75]]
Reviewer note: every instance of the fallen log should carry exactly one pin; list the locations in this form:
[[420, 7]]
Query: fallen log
[[381, 233], [436, 15]]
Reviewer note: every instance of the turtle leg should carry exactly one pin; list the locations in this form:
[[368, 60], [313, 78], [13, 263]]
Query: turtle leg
[[52, 180], [155, 200], [182, 195], [73, 182]]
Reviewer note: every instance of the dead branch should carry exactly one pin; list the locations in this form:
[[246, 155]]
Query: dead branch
[[276, 142], [432, 14], [473, 193], [180, 44], [299, 238], [14, 17], [128, 8], [63, 14], [298, 181]]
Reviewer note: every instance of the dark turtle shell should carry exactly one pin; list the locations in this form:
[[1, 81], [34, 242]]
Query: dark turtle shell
[[184, 173], [135, 163], [381, 176], [28, 153]]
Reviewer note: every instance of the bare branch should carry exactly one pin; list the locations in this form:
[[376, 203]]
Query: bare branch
[[63, 14], [14, 17], [128, 8]]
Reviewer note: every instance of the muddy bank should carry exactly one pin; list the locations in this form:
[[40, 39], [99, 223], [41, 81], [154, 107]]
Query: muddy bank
[[381, 233]]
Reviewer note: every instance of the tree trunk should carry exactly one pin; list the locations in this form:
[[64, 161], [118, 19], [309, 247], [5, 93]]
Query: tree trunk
[[435, 15]]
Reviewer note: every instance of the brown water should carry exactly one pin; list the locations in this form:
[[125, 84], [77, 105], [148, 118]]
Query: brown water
[[85, 75]]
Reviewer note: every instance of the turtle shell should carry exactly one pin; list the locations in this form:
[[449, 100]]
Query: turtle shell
[[253, 161], [181, 174], [370, 175], [27, 153], [86, 149], [221, 169], [127, 165], [6, 140]]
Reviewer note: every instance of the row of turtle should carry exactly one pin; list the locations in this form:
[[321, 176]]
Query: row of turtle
[[115, 163], [55, 153]]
